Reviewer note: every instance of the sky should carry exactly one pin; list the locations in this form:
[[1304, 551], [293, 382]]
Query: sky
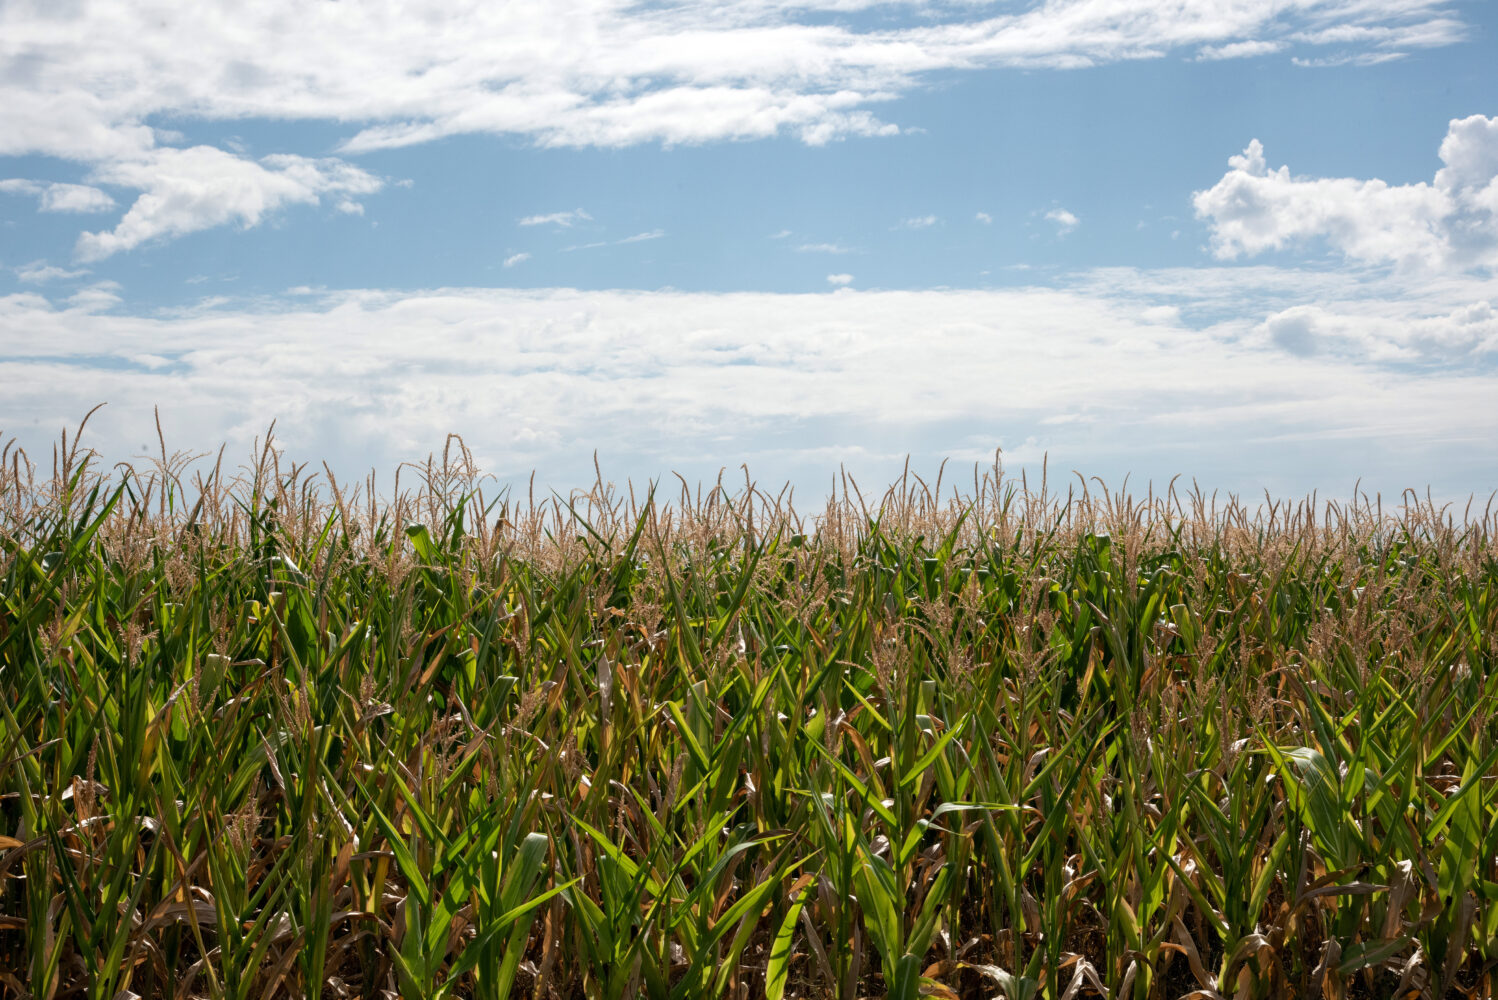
[[1251, 244]]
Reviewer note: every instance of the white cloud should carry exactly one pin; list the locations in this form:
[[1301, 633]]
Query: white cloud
[[75, 198], [780, 235], [56, 197], [94, 298], [984, 218], [840, 279], [1301, 329], [1450, 222], [1425, 33], [185, 190], [1346, 59], [40, 272], [1470, 152], [1156, 372], [1064, 220], [84, 77], [918, 222], [833, 248], [518, 258], [1466, 332], [653, 234], [1240, 50], [564, 219]]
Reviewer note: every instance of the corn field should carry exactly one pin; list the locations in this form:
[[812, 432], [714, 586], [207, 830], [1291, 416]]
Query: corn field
[[265, 734]]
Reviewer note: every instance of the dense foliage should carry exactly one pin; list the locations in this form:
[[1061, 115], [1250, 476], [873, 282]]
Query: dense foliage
[[265, 736]]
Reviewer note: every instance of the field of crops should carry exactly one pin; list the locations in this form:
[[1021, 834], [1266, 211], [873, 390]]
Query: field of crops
[[262, 735]]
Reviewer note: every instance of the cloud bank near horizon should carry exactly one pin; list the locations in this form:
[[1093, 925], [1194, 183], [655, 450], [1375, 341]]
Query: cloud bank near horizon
[[1222, 373]]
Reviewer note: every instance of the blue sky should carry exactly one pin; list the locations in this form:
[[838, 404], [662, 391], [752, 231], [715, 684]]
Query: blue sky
[[1246, 242]]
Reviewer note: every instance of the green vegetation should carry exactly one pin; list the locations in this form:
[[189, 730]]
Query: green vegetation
[[264, 736]]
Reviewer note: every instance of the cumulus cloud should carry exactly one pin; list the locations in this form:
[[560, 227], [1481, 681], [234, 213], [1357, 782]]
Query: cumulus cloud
[[1113, 371], [1065, 221], [57, 197], [984, 218], [185, 190], [564, 219], [1450, 222]]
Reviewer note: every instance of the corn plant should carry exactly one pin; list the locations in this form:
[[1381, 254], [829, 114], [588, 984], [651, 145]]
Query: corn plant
[[270, 734]]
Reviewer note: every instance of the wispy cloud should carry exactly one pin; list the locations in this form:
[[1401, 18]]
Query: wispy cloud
[[780, 235], [517, 258], [564, 219], [606, 73], [834, 248], [97, 297], [984, 218], [1416, 33], [653, 234], [918, 222], [840, 279], [1346, 59], [1241, 50], [40, 272]]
